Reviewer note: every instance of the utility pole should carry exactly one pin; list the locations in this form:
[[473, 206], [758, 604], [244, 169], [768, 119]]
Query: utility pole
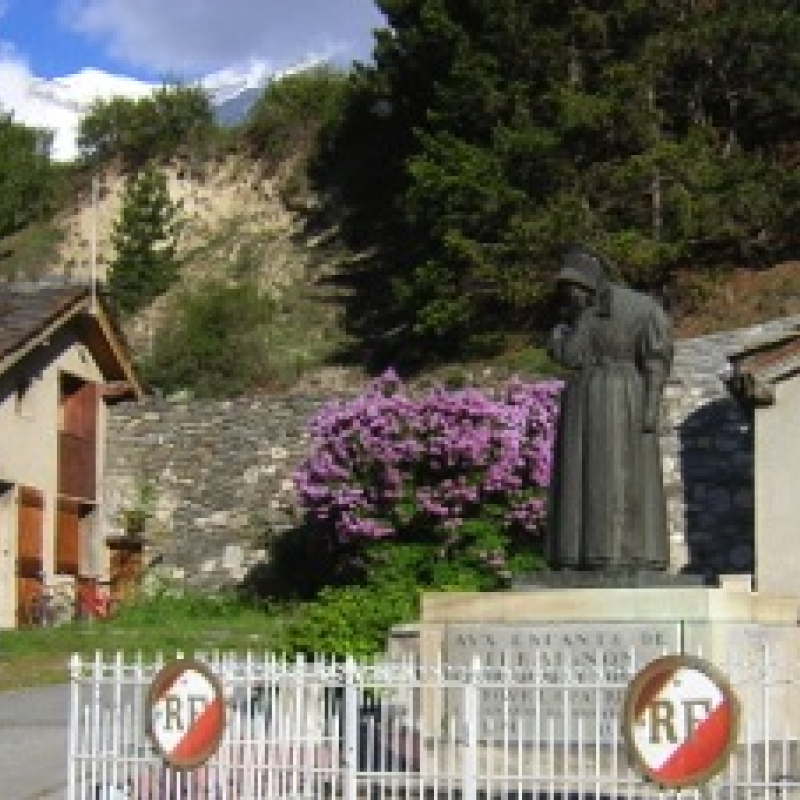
[[93, 241]]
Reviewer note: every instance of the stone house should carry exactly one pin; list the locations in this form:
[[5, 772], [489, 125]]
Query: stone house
[[62, 360], [765, 378]]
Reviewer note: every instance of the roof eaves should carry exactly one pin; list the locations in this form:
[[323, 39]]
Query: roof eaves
[[43, 332]]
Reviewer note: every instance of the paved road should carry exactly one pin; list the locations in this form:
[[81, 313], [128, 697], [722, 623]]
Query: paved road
[[33, 743]]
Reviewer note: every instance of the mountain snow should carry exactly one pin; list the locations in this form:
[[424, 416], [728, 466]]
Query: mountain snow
[[59, 104], [227, 84]]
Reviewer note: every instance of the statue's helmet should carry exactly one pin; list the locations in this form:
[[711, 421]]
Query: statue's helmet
[[582, 266]]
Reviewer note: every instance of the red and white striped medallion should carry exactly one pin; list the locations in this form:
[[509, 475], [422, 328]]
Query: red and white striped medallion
[[680, 721], [185, 713]]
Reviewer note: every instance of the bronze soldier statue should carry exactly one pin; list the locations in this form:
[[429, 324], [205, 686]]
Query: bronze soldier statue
[[607, 509]]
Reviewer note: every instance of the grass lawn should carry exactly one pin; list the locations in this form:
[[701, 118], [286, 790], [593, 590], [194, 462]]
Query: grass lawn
[[39, 656]]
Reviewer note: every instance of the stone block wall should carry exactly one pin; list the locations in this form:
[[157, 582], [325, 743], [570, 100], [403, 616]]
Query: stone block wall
[[708, 456], [221, 475], [222, 471]]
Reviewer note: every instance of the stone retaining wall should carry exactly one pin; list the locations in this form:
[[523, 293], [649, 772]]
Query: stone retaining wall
[[221, 471], [221, 475]]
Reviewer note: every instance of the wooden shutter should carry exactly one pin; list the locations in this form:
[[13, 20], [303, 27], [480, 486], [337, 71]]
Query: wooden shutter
[[68, 538], [80, 410], [30, 528], [77, 439]]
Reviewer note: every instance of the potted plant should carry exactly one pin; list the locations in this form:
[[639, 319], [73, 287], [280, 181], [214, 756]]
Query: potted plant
[[133, 518]]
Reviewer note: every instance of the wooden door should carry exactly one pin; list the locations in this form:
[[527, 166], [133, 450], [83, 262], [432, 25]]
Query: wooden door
[[30, 529]]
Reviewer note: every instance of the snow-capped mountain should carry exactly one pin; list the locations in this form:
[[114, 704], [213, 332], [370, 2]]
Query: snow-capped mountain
[[228, 84], [60, 103], [236, 108], [234, 93]]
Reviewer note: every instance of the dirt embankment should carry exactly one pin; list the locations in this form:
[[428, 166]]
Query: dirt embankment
[[741, 298]]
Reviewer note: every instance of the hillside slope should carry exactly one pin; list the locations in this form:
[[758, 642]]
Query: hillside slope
[[241, 219], [238, 220], [743, 297]]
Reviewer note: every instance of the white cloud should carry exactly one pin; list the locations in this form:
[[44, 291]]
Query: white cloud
[[56, 105], [240, 41], [16, 81], [190, 37]]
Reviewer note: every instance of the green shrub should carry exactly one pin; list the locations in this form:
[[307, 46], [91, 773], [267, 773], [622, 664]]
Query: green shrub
[[349, 620], [28, 253], [213, 342], [388, 581]]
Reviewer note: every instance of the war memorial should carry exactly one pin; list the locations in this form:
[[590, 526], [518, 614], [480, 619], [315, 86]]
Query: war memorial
[[630, 667], [611, 602]]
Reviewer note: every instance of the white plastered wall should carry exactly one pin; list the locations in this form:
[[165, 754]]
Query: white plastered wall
[[29, 450], [777, 492]]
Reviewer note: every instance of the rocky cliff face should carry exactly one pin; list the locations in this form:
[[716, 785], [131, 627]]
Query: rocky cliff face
[[240, 218], [234, 215]]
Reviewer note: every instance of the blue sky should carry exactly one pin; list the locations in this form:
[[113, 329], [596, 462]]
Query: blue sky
[[30, 27], [149, 39]]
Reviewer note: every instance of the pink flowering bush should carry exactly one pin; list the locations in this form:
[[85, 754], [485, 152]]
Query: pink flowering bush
[[462, 470]]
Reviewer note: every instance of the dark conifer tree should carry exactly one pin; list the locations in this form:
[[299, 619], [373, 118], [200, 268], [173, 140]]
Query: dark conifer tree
[[145, 238], [490, 132]]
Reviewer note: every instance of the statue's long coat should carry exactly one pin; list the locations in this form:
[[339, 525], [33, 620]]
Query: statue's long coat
[[606, 500]]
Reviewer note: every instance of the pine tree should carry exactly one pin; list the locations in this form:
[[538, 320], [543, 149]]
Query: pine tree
[[145, 236], [489, 133], [26, 174]]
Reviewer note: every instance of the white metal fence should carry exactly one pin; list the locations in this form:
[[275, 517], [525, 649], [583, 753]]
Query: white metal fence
[[317, 729]]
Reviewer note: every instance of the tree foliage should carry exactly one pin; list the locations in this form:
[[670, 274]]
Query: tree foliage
[[213, 342], [487, 133], [145, 237], [290, 112], [154, 126], [26, 174]]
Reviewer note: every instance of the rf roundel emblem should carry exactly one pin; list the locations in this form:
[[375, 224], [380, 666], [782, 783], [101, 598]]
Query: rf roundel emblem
[[185, 713], [680, 721]]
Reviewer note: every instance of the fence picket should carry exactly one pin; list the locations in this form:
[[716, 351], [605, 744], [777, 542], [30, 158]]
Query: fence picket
[[470, 726], [350, 731], [316, 728]]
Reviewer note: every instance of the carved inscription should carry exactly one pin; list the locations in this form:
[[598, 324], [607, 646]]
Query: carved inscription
[[563, 680]]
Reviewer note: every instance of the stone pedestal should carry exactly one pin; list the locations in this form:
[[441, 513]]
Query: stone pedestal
[[612, 579], [597, 635]]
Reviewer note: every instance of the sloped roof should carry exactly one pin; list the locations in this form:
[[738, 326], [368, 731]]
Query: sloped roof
[[26, 309], [756, 368], [771, 358], [30, 312]]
